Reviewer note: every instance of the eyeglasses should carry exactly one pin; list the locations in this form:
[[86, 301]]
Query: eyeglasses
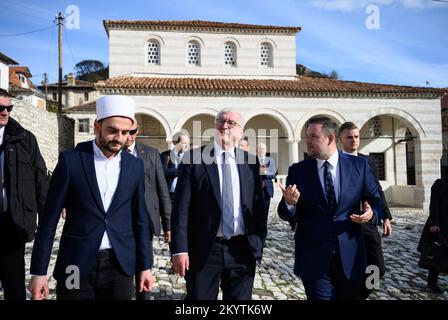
[[132, 132], [230, 123], [8, 108]]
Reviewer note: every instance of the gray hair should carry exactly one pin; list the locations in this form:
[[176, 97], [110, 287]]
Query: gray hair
[[226, 110]]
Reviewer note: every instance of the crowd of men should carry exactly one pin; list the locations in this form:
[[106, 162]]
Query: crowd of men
[[211, 202]]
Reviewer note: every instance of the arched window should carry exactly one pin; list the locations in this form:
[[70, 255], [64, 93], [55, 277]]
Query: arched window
[[153, 52], [229, 54], [266, 54], [194, 53]]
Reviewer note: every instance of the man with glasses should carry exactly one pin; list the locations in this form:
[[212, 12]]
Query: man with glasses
[[218, 223], [156, 191], [24, 186]]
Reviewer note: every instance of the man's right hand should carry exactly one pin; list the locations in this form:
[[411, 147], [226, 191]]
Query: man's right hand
[[291, 194], [38, 287], [181, 263], [434, 228]]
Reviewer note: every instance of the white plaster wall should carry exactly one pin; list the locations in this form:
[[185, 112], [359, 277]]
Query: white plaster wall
[[128, 54], [4, 76]]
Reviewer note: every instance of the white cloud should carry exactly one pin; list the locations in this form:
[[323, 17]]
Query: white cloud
[[350, 5]]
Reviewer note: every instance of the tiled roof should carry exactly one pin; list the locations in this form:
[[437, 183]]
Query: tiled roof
[[82, 108], [302, 86], [6, 59], [194, 25], [78, 84], [14, 80]]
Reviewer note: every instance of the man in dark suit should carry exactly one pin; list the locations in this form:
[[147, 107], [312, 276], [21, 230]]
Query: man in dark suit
[[323, 196], [24, 186], [218, 223], [106, 236], [349, 138], [171, 160], [156, 192], [268, 171]]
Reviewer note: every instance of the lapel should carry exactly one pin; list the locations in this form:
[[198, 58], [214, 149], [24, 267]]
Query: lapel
[[213, 175], [243, 173], [345, 172], [125, 164], [89, 171]]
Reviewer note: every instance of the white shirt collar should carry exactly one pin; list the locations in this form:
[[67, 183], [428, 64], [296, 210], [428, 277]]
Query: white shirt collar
[[351, 154], [131, 148], [333, 160], [2, 134], [219, 150], [100, 155]]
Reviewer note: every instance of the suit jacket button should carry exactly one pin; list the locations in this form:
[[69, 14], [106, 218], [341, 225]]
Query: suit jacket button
[[106, 221]]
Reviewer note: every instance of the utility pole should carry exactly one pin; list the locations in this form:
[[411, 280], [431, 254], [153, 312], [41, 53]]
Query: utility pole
[[60, 24], [45, 82]]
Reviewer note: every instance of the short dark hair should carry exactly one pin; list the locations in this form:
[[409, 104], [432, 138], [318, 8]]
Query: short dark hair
[[347, 126], [4, 93], [328, 125]]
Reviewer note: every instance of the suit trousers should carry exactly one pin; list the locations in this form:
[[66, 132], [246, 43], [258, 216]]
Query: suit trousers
[[106, 281], [12, 258], [230, 266], [333, 285], [374, 253]]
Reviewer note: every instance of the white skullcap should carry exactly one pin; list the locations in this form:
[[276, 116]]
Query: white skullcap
[[115, 106]]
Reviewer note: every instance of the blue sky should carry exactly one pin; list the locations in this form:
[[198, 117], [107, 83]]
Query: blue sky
[[409, 45]]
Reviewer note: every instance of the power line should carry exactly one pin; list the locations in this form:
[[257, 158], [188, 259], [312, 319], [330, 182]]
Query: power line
[[24, 33], [70, 47]]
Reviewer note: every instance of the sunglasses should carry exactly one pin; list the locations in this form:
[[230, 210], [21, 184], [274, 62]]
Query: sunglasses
[[132, 132], [8, 108]]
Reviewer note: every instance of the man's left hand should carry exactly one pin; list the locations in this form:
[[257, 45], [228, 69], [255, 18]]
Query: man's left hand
[[146, 281], [365, 217], [387, 228], [167, 236]]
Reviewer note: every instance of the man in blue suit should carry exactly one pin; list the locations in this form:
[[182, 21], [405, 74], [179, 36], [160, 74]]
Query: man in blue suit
[[323, 196], [218, 222], [107, 234]]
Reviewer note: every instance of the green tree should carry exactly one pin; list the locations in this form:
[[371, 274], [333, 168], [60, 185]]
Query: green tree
[[91, 70]]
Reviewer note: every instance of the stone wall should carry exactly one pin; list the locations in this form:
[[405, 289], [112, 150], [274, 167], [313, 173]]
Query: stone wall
[[54, 132]]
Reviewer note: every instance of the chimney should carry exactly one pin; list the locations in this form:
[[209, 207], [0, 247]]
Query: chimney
[[71, 80]]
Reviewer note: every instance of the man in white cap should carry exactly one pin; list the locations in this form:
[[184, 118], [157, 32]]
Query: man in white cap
[[107, 233]]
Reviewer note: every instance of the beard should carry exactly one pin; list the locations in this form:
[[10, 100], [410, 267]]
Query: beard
[[112, 146]]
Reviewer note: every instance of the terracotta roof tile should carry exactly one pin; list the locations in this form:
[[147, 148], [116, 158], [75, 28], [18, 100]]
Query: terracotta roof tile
[[193, 25], [303, 85], [89, 107]]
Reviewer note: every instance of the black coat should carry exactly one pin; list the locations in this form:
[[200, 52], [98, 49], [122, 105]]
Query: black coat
[[169, 167], [438, 212], [25, 177], [156, 191]]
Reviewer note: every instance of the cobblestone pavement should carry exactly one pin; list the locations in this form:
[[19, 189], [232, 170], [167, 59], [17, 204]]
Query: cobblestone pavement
[[275, 279]]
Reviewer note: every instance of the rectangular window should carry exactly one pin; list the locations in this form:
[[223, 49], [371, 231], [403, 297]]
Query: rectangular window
[[83, 125], [378, 160], [55, 96], [86, 96]]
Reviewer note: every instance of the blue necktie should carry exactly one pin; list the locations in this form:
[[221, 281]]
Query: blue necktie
[[227, 198], [329, 188]]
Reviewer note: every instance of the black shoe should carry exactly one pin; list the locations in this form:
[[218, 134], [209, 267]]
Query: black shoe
[[434, 288]]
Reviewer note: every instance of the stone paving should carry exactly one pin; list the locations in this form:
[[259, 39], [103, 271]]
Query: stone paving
[[404, 280]]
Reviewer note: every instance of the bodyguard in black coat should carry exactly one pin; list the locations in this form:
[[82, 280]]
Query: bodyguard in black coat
[[437, 222], [24, 188]]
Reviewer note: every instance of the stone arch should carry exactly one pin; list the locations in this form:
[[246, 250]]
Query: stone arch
[[157, 115], [277, 115], [187, 115], [399, 114], [325, 112]]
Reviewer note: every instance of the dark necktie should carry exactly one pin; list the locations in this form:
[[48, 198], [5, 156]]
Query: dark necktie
[[227, 198], [329, 188]]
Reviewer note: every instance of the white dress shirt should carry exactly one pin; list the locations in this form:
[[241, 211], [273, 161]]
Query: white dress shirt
[[238, 221], [131, 149], [2, 165], [107, 175], [335, 174]]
